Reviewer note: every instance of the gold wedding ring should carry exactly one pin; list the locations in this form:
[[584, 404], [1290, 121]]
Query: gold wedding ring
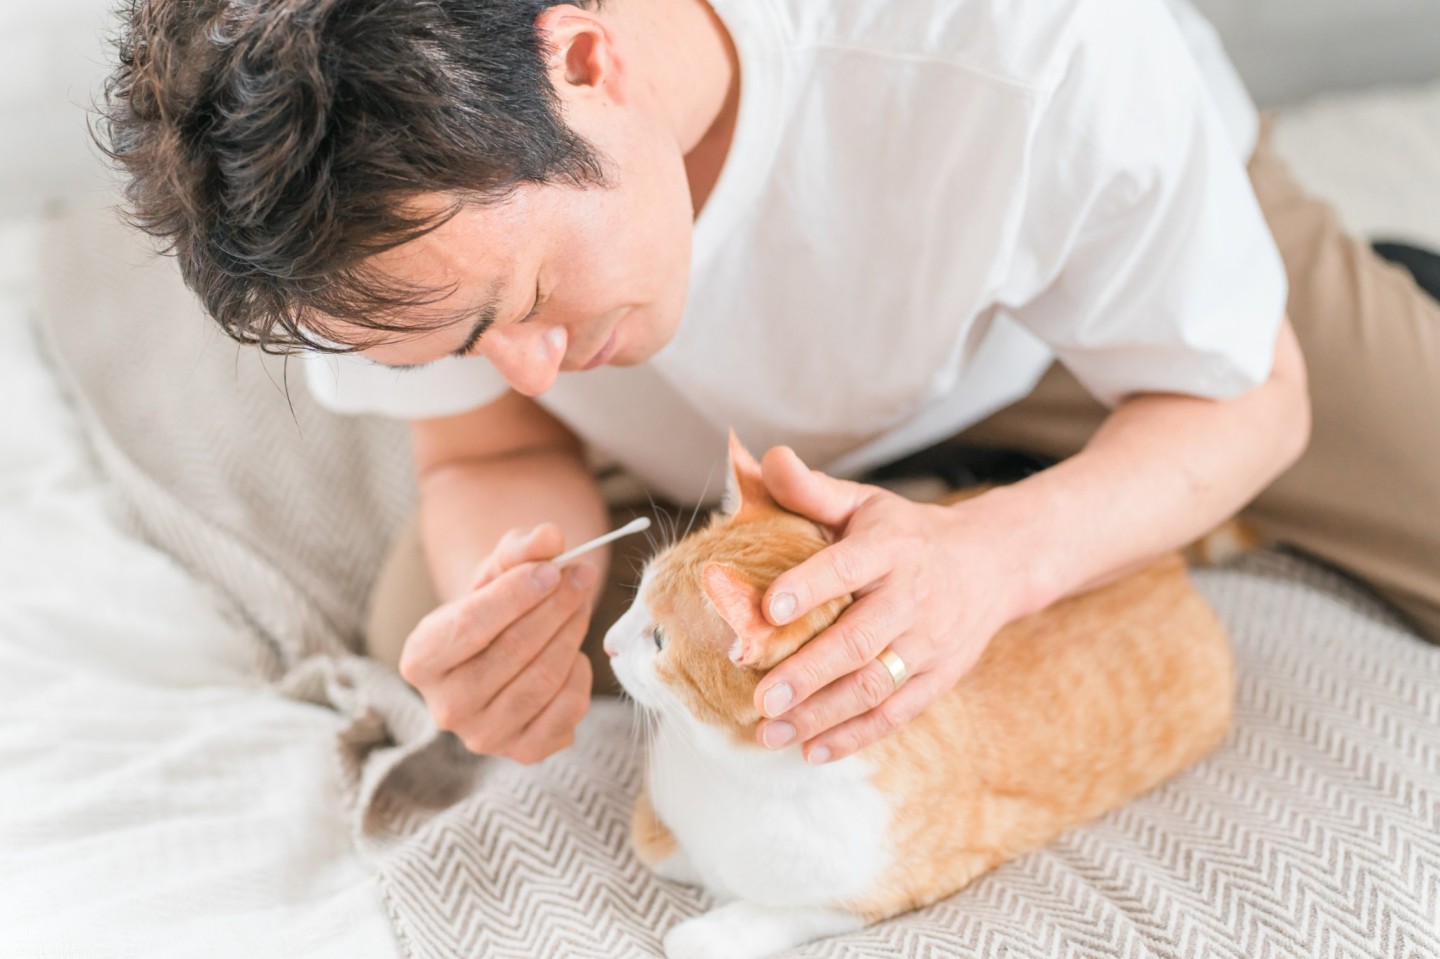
[[891, 661]]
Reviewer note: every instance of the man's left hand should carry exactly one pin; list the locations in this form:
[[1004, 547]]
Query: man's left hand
[[931, 583]]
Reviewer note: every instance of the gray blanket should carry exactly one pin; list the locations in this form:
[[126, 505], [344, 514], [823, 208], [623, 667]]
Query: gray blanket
[[1312, 832]]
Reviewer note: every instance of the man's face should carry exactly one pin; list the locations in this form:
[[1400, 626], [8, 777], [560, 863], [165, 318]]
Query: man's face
[[572, 277]]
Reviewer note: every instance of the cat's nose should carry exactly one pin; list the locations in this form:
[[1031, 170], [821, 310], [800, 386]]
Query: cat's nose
[[611, 649]]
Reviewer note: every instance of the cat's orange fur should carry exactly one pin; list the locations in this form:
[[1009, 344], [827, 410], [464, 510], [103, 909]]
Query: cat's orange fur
[[649, 837], [1069, 713]]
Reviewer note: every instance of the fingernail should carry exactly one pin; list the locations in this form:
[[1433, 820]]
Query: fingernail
[[778, 734], [777, 699], [782, 607], [546, 577], [818, 755], [582, 575]]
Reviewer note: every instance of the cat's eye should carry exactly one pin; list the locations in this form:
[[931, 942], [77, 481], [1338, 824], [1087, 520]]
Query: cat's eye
[[659, 638]]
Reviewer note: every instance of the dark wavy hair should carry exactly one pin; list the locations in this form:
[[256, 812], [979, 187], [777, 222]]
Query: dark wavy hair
[[273, 144]]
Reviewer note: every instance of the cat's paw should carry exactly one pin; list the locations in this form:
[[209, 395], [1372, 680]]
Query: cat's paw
[[747, 930], [699, 938]]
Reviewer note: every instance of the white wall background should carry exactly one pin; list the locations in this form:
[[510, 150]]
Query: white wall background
[[52, 59], [1290, 49], [51, 62]]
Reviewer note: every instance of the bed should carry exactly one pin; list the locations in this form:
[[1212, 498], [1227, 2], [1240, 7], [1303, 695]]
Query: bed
[[194, 761]]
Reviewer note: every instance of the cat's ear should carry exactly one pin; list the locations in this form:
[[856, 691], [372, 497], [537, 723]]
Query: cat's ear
[[737, 600], [746, 494]]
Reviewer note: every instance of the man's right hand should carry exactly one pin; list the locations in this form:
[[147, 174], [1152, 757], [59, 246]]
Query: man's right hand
[[501, 666]]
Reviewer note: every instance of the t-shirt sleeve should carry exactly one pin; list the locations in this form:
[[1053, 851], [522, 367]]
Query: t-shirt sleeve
[[1155, 270], [350, 383]]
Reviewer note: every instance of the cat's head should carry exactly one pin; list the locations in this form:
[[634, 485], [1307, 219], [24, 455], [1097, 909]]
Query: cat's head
[[694, 643]]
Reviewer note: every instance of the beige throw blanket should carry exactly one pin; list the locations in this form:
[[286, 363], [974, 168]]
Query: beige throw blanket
[[1313, 831]]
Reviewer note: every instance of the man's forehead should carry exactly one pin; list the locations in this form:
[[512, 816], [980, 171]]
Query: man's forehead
[[473, 245], [464, 269]]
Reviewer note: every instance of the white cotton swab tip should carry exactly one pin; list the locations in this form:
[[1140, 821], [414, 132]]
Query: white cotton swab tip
[[634, 526]]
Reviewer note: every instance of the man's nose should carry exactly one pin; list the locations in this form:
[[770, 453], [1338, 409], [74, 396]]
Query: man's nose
[[529, 357]]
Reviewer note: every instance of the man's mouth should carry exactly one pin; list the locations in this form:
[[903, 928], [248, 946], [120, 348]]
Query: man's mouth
[[605, 353]]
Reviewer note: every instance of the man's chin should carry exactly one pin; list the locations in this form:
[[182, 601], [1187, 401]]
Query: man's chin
[[633, 354]]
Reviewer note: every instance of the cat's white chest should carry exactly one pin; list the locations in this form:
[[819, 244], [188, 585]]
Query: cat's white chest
[[767, 827]]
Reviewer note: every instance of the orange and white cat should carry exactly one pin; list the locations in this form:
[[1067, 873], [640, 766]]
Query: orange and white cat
[[1068, 714]]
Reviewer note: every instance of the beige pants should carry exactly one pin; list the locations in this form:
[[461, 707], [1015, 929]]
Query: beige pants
[[1364, 497]]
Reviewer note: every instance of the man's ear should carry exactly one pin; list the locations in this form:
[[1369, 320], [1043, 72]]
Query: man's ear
[[579, 51], [737, 600], [745, 494]]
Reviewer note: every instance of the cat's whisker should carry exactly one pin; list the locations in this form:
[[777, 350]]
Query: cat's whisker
[[670, 528], [636, 721], [657, 541], [659, 515], [691, 522], [642, 728], [704, 492]]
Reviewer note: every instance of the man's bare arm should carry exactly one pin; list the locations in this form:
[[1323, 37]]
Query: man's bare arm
[[503, 489], [509, 465], [1161, 471]]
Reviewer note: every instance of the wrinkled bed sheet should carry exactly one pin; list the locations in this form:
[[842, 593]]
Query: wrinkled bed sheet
[[157, 799]]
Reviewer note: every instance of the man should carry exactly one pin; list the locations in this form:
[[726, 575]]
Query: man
[[847, 229]]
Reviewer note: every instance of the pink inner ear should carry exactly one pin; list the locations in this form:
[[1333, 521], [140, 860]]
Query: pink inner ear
[[737, 600], [747, 490]]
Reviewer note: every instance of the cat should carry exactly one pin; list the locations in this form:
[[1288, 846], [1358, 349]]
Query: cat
[[1069, 713]]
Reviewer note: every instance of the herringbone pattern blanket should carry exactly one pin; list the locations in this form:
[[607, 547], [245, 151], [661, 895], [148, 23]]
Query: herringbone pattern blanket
[[1312, 832]]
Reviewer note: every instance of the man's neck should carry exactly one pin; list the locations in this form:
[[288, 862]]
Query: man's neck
[[688, 53]]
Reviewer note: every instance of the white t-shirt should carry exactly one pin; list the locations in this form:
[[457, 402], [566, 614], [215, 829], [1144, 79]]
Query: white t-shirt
[[925, 202]]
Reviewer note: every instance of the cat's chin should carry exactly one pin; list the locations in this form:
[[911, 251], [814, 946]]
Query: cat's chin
[[644, 691], [635, 691]]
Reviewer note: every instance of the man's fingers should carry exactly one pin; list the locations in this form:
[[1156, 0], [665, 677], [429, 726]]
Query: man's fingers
[[554, 728], [855, 639], [483, 616], [894, 711], [497, 726], [844, 699], [520, 546], [470, 687], [458, 630], [808, 492], [839, 569]]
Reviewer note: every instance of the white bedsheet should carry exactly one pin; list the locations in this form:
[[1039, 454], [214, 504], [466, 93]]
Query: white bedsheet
[[155, 799]]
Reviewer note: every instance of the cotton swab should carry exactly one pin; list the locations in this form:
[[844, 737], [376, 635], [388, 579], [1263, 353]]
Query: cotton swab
[[634, 526]]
